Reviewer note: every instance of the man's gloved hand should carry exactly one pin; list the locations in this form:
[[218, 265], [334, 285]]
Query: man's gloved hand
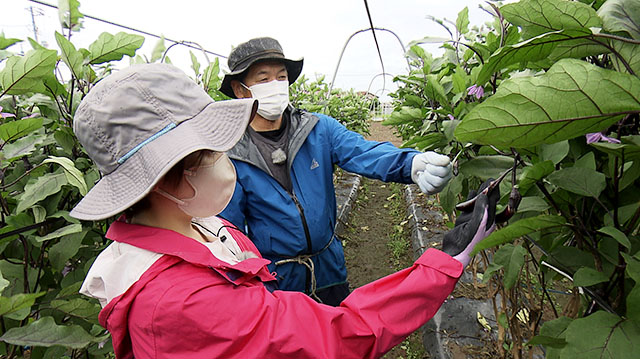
[[472, 226], [431, 171]]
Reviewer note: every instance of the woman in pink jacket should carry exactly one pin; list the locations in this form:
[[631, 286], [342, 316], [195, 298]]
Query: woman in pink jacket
[[178, 282]]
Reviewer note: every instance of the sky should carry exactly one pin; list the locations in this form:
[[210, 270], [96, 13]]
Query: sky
[[314, 30]]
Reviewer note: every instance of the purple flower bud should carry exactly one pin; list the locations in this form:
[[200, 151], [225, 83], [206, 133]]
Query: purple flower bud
[[451, 117], [476, 90], [5, 114], [598, 136]]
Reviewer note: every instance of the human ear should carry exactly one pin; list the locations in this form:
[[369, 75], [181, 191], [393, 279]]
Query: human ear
[[239, 90]]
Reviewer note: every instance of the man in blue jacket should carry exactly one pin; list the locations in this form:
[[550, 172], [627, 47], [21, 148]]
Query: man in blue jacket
[[284, 193]]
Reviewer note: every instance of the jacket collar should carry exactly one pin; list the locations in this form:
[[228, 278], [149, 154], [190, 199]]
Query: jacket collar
[[301, 123], [172, 243]]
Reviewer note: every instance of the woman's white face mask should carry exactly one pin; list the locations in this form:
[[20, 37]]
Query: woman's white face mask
[[213, 186], [273, 98]]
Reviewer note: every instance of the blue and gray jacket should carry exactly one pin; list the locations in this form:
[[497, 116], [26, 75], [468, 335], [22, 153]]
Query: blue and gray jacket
[[294, 229]]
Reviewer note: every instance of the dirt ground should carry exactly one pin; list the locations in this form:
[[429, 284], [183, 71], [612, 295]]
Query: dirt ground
[[372, 236]]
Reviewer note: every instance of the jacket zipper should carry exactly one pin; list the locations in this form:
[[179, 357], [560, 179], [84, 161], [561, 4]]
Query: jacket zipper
[[304, 220]]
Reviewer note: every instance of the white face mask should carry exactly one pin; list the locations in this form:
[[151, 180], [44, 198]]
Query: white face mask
[[273, 98], [213, 186]]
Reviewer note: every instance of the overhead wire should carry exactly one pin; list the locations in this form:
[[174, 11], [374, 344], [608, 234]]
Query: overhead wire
[[183, 43], [366, 5]]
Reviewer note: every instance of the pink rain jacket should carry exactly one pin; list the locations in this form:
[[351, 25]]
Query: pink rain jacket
[[167, 296]]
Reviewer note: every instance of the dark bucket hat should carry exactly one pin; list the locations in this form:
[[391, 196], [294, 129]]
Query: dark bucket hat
[[252, 51]]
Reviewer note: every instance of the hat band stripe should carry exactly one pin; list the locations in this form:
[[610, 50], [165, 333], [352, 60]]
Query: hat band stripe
[[168, 128]]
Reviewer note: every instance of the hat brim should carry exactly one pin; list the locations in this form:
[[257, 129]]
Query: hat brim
[[218, 127], [294, 68]]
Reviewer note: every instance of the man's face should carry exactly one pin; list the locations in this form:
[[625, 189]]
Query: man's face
[[261, 72], [265, 71]]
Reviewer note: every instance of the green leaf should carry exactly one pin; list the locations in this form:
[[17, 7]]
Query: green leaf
[[554, 152], [561, 43], [211, 76], [195, 65], [449, 195], [630, 54], [511, 258], [547, 341], [66, 248], [3, 283], [41, 188], [21, 147], [485, 167], [602, 335], [554, 329], [519, 229], [12, 130], [404, 115], [536, 17], [633, 267], [629, 148], [532, 204], [616, 234], [530, 111], [586, 161], [462, 22], [532, 174], [583, 181], [621, 16], [6, 42], [72, 57], [69, 14], [633, 304], [158, 50], [434, 90], [45, 333], [585, 277], [66, 230], [74, 176], [23, 74], [78, 307], [18, 302], [112, 48], [39, 213]]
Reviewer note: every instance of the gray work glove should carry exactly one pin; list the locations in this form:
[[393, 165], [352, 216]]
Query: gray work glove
[[472, 226]]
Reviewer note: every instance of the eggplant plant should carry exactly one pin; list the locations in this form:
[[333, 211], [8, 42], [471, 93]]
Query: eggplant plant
[[550, 88]]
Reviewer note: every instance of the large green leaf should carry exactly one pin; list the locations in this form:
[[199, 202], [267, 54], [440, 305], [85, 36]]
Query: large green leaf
[[583, 181], [12, 130], [40, 189], [536, 17], [511, 258], [575, 43], [74, 176], [23, 74], [485, 167], [519, 229], [621, 16], [72, 57], [572, 99], [113, 47], [462, 22], [602, 336], [45, 333]]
